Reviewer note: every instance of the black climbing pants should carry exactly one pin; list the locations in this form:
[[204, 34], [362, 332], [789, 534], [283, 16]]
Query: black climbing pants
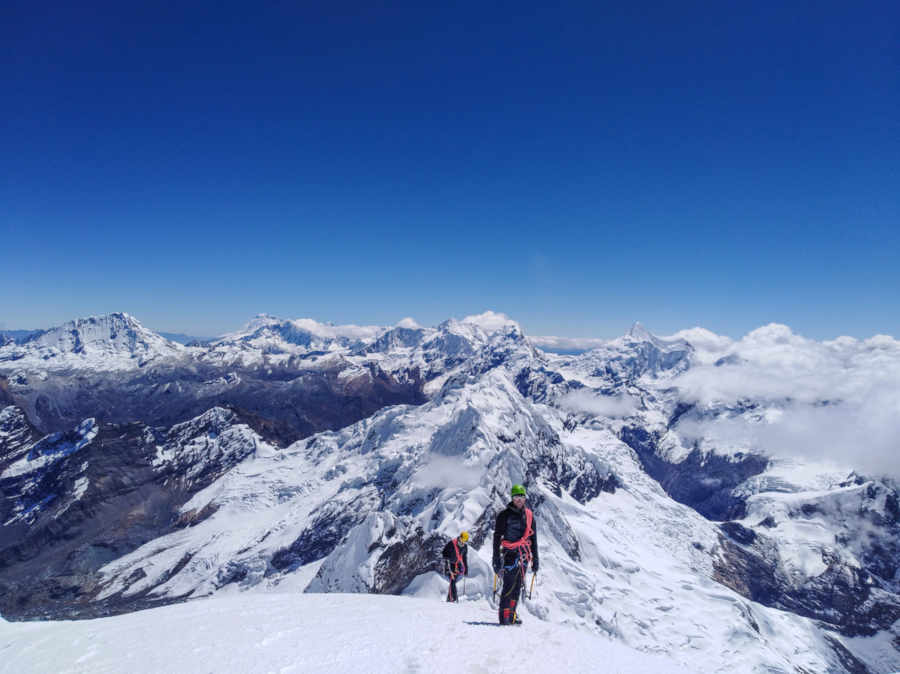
[[513, 583]]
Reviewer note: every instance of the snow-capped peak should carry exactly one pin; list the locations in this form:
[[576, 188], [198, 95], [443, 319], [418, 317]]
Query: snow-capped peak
[[111, 342], [640, 333], [306, 326]]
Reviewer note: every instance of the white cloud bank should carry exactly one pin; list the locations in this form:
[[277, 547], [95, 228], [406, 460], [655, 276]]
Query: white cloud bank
[[836, 401], [604, 406]]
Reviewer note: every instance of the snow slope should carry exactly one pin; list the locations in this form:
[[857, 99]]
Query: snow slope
[[315, 633]]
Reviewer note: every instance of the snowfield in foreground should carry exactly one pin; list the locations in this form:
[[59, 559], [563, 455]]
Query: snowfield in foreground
[[315, 633]]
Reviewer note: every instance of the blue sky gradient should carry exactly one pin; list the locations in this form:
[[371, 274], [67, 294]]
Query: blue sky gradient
[[577, 168]]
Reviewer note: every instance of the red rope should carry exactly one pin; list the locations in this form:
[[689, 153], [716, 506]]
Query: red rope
[[523, 545]]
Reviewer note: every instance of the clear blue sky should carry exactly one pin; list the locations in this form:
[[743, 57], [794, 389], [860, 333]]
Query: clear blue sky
[[578, 168]]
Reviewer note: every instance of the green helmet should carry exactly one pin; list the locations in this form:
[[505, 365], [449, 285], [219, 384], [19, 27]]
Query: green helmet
[[518, 490]]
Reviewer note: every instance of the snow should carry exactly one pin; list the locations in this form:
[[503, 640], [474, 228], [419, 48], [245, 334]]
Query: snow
[[331, 633], [51, 449], [112, 342], [324, 331]]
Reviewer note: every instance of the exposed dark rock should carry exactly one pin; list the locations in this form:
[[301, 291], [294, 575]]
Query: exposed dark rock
[[843, 596], [401, 562], [5, 396], [535, 384], [705, 482], [54, 541], [738, 532], [327, 527], [285, 404], [680, 410], [233, 572]]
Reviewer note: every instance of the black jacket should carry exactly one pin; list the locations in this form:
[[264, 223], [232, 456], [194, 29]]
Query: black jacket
[[510, 526], [450, 555]]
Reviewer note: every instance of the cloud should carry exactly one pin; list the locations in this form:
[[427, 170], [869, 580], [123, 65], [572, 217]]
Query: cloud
[[703, 340], [601, 406], [409, 323], [862, 436], [551, 343], [491, 321], [836, 401], [448, 472]]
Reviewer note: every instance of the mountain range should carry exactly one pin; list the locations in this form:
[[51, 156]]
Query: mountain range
[[732, 504]]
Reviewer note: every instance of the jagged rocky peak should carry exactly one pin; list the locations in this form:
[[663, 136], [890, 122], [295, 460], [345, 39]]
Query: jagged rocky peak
[[212, 421], [639, 333], [473, 333], [406, 334], [637, 354]]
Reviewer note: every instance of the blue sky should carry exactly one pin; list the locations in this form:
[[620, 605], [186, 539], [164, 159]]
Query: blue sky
[[576, 167]]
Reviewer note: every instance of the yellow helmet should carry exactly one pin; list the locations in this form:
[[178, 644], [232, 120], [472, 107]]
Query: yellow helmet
[[464, 537]]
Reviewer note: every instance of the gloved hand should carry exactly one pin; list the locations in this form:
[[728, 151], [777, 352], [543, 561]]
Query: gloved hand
[[497, 566], [534, 566]]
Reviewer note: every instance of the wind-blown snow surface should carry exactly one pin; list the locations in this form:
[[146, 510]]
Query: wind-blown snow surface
[[309, 633]]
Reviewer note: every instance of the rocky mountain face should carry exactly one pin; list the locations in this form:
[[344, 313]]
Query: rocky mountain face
[[75, 500], [318, 458]]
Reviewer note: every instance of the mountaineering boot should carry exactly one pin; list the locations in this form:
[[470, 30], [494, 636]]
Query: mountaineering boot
[[515, 616]]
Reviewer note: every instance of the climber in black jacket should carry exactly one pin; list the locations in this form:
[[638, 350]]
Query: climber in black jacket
[[456, 561], [515, 546]]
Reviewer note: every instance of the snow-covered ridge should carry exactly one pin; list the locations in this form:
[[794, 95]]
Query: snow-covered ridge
[[305, 329]]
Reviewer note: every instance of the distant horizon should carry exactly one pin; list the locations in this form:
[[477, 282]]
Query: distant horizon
[[576, 342]]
